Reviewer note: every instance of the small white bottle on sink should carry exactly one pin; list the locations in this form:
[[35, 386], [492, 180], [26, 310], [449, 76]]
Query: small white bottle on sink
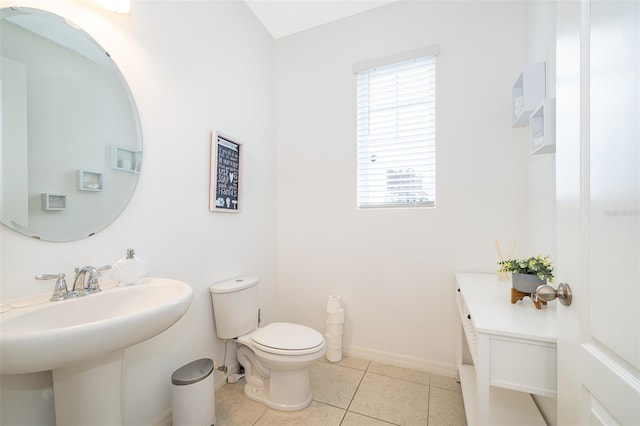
[[130, 269]]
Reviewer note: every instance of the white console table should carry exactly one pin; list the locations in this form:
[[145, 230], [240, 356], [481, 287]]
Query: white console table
[[505, 353]]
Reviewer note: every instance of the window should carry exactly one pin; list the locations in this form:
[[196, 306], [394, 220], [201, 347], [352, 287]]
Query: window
[[396, 114]]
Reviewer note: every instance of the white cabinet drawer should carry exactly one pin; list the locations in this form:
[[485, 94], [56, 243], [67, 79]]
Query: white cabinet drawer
[[523, 365]]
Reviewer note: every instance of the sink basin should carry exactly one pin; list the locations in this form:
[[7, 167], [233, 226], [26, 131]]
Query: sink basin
[[50, 335]]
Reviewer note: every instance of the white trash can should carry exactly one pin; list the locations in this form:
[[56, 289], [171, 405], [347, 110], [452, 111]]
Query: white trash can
[[193, 394]]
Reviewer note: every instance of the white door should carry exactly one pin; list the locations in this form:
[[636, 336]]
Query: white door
[[598, 211]]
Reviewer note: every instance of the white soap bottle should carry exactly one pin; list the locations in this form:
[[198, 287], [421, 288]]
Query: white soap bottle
[[130, 269]]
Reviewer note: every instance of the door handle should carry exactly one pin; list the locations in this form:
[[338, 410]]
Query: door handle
[[548, 293]]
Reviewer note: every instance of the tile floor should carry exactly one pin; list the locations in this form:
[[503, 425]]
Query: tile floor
[[354, 392]]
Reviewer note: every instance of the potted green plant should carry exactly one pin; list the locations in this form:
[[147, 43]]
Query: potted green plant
[[528, 274]]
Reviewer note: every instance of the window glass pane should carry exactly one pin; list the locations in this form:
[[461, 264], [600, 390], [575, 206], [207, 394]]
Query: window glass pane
[[396, 135]]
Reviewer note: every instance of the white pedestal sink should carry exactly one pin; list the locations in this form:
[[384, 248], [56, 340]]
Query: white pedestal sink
[[89, 393], [82, 341]]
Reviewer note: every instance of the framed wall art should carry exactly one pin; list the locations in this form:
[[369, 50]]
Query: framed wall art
[[225, 188]]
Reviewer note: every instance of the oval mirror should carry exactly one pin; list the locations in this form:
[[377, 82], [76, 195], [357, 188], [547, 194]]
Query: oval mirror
[[71, 142]]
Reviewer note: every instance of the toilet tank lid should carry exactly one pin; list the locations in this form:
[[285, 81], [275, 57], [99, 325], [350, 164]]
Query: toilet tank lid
[[231, 286]]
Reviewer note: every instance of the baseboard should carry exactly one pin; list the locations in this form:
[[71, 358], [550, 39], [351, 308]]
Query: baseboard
[[164, 419], [421, 364]]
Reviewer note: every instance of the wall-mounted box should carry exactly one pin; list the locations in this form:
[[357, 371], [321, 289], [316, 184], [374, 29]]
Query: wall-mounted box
[[89, 181], [50, 202], [528, 93], [126, 159], [542, 128]]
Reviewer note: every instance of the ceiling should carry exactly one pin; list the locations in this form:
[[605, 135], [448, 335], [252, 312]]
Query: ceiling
[[285, 17]]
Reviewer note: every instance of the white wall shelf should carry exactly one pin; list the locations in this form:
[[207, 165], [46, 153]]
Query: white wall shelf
[[89, 181], [51, 202], [528, 93], [126, 159], [542, 128]]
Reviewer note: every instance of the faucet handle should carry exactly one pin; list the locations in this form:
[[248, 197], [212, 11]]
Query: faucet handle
[[49, 276], [60, 291]]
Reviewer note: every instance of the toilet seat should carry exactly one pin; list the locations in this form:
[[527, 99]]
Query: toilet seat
[[287, 339]]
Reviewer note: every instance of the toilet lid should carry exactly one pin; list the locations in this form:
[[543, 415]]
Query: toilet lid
[[287, 336]]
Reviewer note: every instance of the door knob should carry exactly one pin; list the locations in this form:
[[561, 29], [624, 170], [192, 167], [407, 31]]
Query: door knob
[[548, 293]]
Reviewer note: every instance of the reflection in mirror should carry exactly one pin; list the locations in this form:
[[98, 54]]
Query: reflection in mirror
[[71, 142]]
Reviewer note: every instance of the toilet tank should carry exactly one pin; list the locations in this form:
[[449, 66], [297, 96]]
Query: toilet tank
[[235, 306]]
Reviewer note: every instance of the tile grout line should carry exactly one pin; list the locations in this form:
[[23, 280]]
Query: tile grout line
[[429, 400], [428, 386], [364, 373]]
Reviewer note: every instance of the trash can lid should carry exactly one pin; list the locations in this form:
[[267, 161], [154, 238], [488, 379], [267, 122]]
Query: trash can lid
[[193, 372]]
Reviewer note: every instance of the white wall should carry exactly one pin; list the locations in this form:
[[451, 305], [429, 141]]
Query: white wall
[[541, 46], [192, 67], [395, 268]]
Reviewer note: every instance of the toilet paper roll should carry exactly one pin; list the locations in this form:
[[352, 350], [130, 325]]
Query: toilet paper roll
[[334, 329], [333, 342], [334, 355], [333, 304], [336, 317]]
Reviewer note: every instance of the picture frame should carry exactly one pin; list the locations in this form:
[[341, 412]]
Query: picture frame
[[225, 188]]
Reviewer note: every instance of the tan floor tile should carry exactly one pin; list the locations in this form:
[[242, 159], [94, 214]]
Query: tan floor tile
[[235, 409], [446, 408], [316, 414], [384, 395], [444, 382], [392, 400], [416, 376], [334, 384], [355, 419]]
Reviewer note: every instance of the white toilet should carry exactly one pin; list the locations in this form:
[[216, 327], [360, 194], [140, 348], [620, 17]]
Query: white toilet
[[276, 358]]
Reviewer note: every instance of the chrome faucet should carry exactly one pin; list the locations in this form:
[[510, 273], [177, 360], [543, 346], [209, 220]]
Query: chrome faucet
[[81, 284]]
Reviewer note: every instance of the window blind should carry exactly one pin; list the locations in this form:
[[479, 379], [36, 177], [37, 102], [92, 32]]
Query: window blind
[[396, 134]]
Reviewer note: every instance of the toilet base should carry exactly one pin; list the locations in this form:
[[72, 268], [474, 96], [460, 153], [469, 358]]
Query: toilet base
[[291, 391]]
